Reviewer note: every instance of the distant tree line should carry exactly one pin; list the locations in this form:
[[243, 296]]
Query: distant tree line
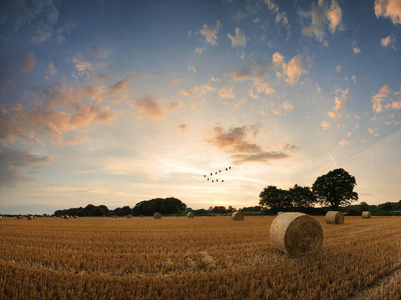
[[147, 208], [334, 191]]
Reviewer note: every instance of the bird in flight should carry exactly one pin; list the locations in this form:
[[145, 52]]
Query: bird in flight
[[215, 173]]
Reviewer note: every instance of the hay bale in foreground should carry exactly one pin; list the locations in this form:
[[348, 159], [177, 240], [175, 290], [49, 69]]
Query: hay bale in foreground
[[238, 216], [190, 215], [157, 215], [366, 215], [297, 234], [334, 217], [280, 212]]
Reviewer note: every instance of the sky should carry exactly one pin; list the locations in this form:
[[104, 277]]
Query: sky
[[115, 102]]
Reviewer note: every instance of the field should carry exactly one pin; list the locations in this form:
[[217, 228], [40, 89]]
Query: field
[[200, 258]]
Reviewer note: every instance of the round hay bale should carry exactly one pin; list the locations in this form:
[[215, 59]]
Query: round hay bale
[[297, 234], [366, 215], [157, 215], [334, 217], [66, 217], [20, 217], [141, 216], [280, 212], [237, 216], [75, 217], [129, 216], [30, 217], [1, 218], [190, 215]]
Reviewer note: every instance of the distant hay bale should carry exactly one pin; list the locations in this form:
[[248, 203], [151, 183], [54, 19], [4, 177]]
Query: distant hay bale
[[103, 216], [1, 218], [157, 215], [20, 217], [297, 234], [66, 217], [334, 217], [115, 216], [238, 216], [190, 215], [30, 218], [141, 216], [75, 217], [366, 215], [129, 216]]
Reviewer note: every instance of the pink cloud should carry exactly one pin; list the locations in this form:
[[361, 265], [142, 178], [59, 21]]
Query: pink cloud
[[29, 62], [150, 108], [118, 86], [58, 110], [379, 98], [389, 9], [235, 141]]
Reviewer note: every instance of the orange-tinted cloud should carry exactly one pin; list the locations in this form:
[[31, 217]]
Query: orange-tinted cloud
[[58, 110], [150, 107], [234, 141], [389, 9], [210, 32], [380, 97], [118, 86]]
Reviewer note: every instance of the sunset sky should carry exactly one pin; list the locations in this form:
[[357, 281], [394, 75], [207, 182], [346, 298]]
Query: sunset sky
[[115, 102]]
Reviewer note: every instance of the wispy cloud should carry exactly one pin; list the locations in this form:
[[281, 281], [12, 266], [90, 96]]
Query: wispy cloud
[[379, 98], [235, 141], [59, 109], [118, 86], [209, 32], [99, 52], [289, 72], [389, 9], [150, 107], [387, 41], [239, 39], [321, 15], [29, 62], [13, 163]]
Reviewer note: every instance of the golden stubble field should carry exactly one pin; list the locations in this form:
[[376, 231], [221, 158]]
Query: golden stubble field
[[200, 258]]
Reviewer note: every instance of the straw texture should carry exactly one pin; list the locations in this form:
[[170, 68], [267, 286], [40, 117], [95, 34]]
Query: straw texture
[[334, 217], [157, 215], [191, 215], [237, 216], [366, 215], [297, 234]]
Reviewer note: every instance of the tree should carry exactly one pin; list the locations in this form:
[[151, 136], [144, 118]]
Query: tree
[[302, 196], [336, 188], [388, 206], [363, 206], [272, 197]]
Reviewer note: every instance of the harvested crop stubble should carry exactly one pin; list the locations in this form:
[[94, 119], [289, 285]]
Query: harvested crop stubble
[[238, 216], [157, 215], [334, 217], [366, 215], [297, 234], [191, 215]]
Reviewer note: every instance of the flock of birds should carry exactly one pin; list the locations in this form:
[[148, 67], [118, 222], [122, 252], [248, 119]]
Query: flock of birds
[[215, 173]]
